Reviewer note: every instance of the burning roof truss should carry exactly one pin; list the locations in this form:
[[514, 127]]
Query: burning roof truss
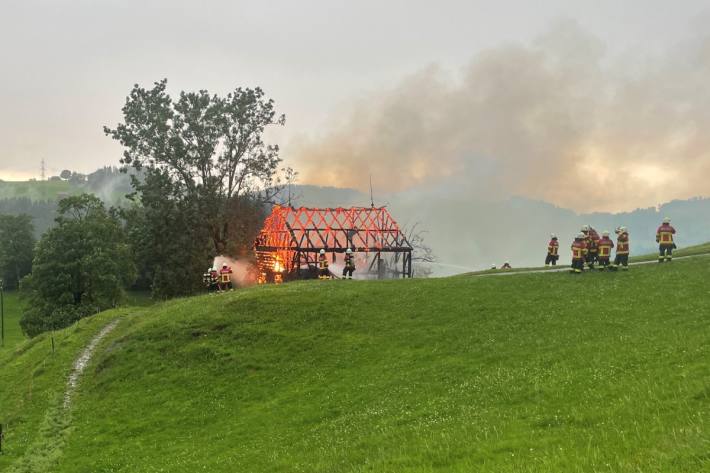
[[292, 238]]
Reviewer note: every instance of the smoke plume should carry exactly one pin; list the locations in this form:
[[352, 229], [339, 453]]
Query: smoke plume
[[560, 120]]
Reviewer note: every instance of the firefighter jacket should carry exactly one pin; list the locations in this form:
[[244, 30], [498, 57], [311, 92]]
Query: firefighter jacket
[[349, 261], [214, 276], [664, 234], [605, 246], [224, 275], [622, 244], [579, 249], [322, 262], [553, 247]]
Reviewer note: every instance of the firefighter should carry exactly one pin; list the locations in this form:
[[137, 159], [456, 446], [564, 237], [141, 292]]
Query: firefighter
[[622, 249], [604, 248], [553, 249], [225, 278], [207, 280], [349, 264], [323, 272], [214, 279], [592, 241], [664, 238], [579, 253], [506, 265]]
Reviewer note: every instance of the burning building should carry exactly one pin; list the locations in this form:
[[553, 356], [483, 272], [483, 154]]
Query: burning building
[[288, 245]]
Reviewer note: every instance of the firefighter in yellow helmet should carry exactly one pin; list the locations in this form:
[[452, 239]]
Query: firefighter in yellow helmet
[[323, 271]]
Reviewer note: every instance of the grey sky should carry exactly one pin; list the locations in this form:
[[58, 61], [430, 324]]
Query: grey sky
[[68, 65]]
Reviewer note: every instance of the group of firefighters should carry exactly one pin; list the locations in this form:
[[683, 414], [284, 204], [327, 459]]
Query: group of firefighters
[[588, 247], [218, 281], [324, 270]]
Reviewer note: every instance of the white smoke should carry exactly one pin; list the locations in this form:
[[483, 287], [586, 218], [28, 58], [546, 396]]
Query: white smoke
[[242, 270], [559, 120]]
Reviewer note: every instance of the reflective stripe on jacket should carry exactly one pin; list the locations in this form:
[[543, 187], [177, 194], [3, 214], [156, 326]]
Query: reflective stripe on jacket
[[622, 244], [664, 234], [579, 249], [553, 247], [605, 246]]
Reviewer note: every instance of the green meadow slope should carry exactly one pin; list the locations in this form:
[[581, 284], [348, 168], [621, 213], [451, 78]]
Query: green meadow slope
[[532, 373], [36, 190]]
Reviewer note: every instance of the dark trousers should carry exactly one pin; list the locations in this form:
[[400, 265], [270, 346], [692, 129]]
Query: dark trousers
[[622, 260], [551, 259], [348, 271], [323, 273], [665, 250], [577, 265], [603, 262], [591, 259]]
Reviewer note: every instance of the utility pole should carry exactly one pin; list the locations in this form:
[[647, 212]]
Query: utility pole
[[42, 170], [372, 199]]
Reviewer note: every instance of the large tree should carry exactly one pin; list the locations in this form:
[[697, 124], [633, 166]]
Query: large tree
[[210, 147], [81, 266], [170, 245], [16, 246]]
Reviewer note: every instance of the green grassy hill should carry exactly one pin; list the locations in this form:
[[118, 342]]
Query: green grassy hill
[[534, 373], [36, 190]]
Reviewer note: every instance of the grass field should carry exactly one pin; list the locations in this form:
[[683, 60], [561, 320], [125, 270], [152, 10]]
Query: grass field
[[36, 190], [539, 373], [13, 310]]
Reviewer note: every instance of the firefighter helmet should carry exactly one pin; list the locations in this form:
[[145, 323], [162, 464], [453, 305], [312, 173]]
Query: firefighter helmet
[[666, 220], [585, 228], [605, 233], [553, 236], [581, 236], [622, 229], [348, 251], [322, 251], [224, 265]]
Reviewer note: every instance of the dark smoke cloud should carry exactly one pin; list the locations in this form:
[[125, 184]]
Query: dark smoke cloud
[[560, 120]]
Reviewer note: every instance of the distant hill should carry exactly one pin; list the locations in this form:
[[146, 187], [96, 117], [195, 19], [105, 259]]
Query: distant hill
[[465, 233], [527, 373], [39, 198]]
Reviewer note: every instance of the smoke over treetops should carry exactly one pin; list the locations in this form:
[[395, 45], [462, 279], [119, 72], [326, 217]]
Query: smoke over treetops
[[559, 120]]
